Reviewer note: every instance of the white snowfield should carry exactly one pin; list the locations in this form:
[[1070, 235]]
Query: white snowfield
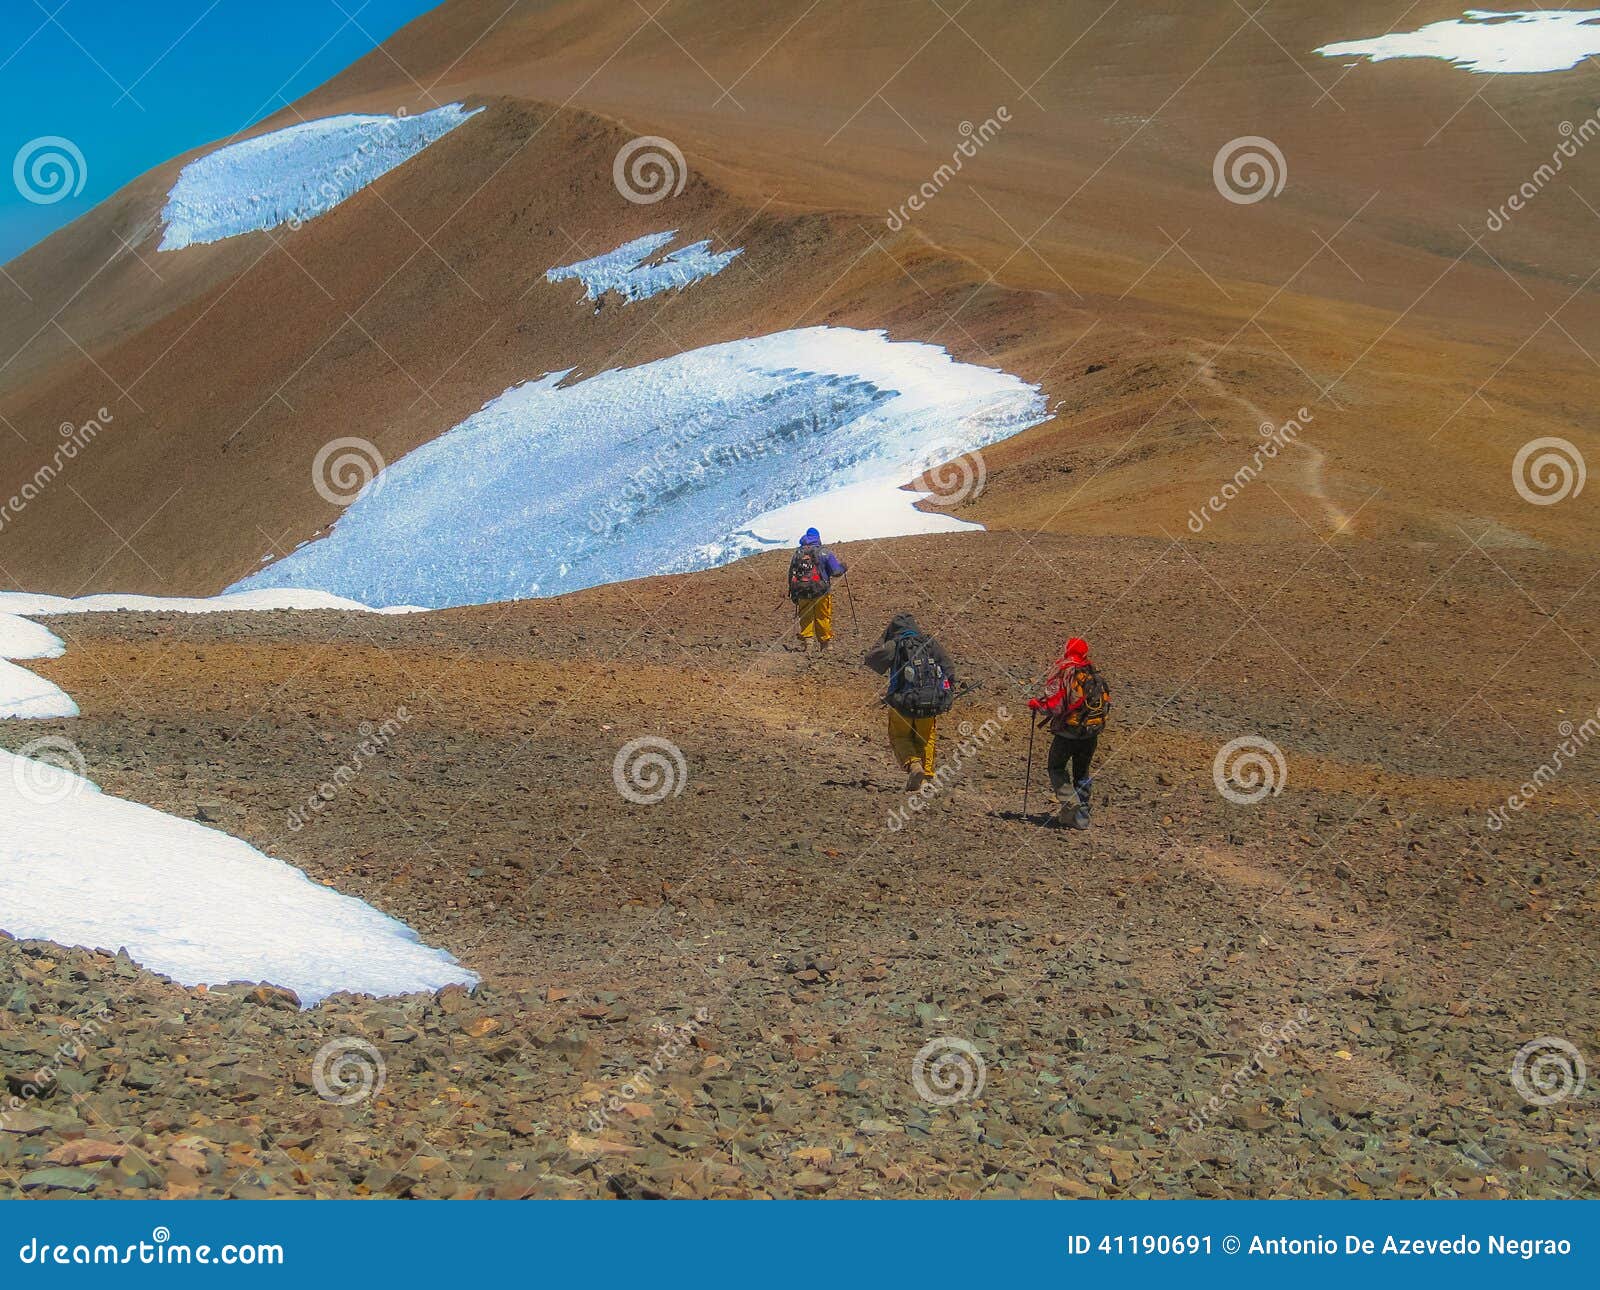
[[295, 174], [680, 464], [29, 603], [627, 271], [22, 694], [81, 868], [21, 639], [27, 697], [1486, 40]]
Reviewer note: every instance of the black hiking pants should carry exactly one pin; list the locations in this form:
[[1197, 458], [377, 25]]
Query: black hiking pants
[[1065, 752]]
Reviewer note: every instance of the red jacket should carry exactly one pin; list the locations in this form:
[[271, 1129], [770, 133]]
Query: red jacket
[[1056, 701]]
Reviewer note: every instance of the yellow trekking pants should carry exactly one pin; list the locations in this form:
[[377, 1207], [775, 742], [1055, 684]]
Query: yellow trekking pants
[[913, 739], [816, 618]]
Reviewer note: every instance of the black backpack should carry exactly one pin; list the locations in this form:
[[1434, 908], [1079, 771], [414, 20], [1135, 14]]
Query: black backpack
[[918, 685], [808, 574]]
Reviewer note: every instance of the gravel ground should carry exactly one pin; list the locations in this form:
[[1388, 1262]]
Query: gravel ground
[[726, 992]]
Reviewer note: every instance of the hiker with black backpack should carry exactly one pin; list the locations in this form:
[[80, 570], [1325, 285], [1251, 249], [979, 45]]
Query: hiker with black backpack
[[922, 688], [812, 570], [1074, 706]]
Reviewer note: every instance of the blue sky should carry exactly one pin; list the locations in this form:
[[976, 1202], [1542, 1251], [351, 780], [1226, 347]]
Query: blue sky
[[130, 83]]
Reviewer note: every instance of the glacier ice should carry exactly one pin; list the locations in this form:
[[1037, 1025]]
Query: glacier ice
[[295, 174], [80, 867], [679, 464], [1486, 40], [629, 272]]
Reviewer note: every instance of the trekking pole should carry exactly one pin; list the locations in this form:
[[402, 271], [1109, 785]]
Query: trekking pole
[[1027, 779], [855, 623]]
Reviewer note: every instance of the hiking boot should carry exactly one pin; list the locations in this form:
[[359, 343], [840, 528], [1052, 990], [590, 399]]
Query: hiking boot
[[915, 776], [825, 645], [1080, 818], [1066, 813]]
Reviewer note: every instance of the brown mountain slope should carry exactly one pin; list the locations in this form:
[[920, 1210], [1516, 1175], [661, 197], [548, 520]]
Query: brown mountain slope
[[1087, 233]]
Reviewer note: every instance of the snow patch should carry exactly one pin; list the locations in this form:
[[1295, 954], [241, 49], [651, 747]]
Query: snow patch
[[1490, 41], [21, 639], [81, 868], [680, 464], [627, 270], [24, 696], [33, 605], [295, 174]]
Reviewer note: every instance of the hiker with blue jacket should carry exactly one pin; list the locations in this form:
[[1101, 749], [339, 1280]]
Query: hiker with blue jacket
[[922, 687], [812, 570]]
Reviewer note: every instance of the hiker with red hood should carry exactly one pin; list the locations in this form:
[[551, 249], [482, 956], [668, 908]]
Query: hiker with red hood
[[812, 570], [1075, 705]]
